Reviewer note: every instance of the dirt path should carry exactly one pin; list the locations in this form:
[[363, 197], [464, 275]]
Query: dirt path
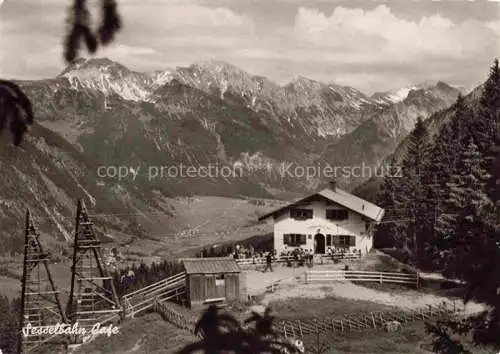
[[404, 299], [292, 285]]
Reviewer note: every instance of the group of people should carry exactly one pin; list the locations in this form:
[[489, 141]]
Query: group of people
[[299, 255], [340, 252], [240, 252]]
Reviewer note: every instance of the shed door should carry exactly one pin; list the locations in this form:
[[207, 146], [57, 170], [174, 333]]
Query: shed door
[[232, 286], [210, 287], [196, 287], [220, 284]]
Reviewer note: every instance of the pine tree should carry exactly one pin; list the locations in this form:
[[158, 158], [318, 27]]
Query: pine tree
[[471, 252], [387, 233], [411, 190], [449, 148], [466, 190], [489, 111]]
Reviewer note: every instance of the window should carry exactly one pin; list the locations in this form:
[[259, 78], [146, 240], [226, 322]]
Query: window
[[301, 214], [329, 240], [344, 240], [294, 239], [336, 214], [367, 226], [219, 279]]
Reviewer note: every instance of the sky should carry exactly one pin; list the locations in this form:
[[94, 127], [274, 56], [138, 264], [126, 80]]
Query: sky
[[371, 45]]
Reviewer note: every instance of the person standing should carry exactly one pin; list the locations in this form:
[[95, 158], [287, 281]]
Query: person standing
[[269, 259]]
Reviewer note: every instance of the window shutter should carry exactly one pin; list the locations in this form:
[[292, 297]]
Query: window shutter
[[286, 239], [303, 239], [328, 240], [352, 240]]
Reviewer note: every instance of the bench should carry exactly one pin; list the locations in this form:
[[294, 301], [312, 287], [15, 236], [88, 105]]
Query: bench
[[214, 300]]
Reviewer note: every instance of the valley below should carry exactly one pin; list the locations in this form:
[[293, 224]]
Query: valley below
[[98, 117]]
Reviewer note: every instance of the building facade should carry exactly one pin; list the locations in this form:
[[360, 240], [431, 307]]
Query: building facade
[[212, 280], [330, 218]]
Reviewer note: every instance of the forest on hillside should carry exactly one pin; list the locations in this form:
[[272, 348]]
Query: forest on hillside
[[447, 201]]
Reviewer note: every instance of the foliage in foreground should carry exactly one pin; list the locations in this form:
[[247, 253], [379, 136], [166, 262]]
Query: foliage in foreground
[[222, 333], [16, 110]]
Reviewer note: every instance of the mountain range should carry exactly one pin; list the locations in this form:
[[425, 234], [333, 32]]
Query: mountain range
[[98, 113]]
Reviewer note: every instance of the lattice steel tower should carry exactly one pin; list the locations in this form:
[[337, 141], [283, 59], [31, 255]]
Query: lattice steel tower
[[93, 298], [40, 303]]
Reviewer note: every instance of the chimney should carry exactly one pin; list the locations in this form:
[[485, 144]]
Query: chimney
[[333, 185]]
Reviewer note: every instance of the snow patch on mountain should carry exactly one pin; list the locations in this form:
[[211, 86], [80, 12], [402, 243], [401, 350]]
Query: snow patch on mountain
[[103, 81], [400, 94]]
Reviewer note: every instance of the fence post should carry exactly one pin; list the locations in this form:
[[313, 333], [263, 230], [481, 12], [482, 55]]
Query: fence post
[[333, 325], [342, 326], [373, 320], [418, 280], [380, 278], [300, 329]]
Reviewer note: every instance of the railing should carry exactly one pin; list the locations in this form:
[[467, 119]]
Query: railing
[[359, 322], [276, 284], [354, 275], [341, 256], [144, 298], [284, 259], [262, 260], [182, 320]]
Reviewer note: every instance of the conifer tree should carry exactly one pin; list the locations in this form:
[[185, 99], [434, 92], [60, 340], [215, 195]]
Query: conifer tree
[[444, 164], [411, 189], [471, 252], [488, 126], [466, 190], [387, 233]]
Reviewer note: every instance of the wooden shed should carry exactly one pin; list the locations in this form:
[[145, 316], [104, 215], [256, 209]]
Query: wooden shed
[[211, 280]]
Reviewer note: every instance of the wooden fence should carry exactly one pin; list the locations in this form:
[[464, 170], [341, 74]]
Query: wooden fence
[[144, 298], [314, 276], [256, 261], [372, 320], [180, 319], [274, 285], [261, 260]]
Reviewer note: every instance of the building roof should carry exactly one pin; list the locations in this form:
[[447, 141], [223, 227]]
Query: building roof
[[213, 265], [343, 198]]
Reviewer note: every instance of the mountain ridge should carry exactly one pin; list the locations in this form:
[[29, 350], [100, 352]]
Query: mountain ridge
[[201, 115]]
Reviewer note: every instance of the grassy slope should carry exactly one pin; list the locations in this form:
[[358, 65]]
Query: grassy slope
[[411, 339], [160, 337]]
